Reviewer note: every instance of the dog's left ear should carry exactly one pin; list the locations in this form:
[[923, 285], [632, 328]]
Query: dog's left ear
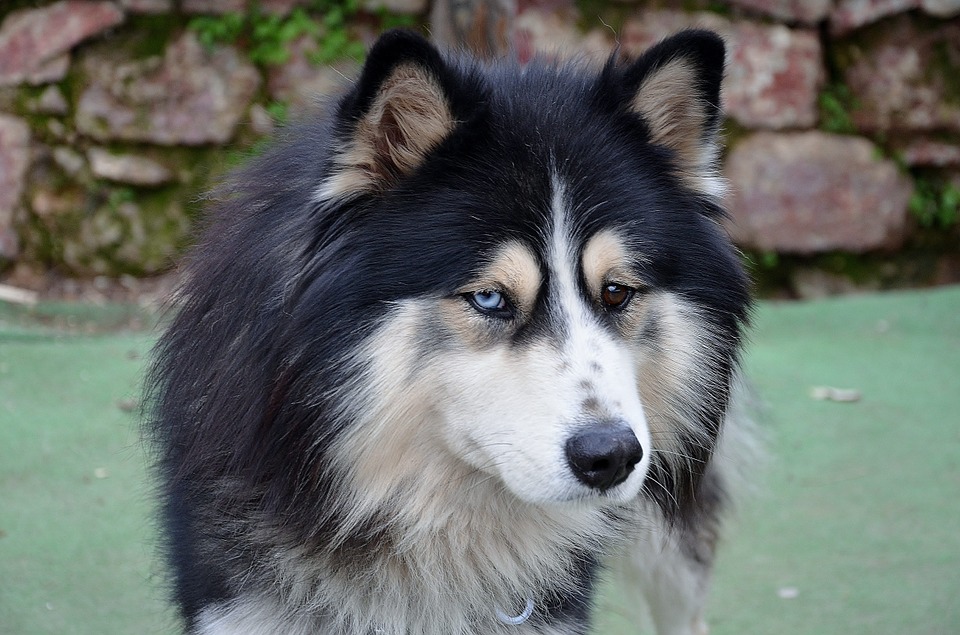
[[406, 102], [675, 88]]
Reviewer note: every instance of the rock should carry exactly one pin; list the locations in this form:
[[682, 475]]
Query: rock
[[549, 5], [813, 284], [104, 232], [282, 7], [261, 121], [127, 168], [554, 35], [9, 99], [51, 102], [147, 6], [303, 85], [125, 239], [484, 27], [69, 160], [213, 7], [49, 204], [646, 28], [402, 7], [905, 80], [811, 192], [805, 11], [52, 70], [190, 96], [853, 14], [941, 8], [221, 7], [34, 42], [928, 153], [775, 76], [14, 161], [59, 131], [774, 73], [947, 270]]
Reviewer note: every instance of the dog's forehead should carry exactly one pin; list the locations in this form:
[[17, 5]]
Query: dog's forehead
[[563, 250]]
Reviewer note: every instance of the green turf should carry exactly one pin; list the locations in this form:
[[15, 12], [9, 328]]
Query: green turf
[[858, 509], [75, 512]]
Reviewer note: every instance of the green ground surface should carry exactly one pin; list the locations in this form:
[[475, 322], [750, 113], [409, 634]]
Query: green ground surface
[[858, 510]]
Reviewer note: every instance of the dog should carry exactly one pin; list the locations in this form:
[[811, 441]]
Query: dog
[[445, 353]]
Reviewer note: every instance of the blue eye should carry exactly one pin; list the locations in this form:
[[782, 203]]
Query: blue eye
[[489, 302]]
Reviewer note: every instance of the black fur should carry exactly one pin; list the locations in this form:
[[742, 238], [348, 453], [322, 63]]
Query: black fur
[[281, 285]]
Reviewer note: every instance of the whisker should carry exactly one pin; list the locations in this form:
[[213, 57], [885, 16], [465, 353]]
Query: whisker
[[665, 489]]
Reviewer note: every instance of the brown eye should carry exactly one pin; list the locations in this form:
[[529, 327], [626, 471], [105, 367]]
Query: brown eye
[[615, 296]]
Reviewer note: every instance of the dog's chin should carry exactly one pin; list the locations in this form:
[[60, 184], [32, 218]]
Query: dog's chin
[[570, 492]]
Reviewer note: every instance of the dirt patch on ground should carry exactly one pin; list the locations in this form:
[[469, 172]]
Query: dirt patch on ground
[[90, 305], [145, 292]]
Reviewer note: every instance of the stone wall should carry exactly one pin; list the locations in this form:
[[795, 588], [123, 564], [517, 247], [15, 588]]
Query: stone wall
[[115, 115]]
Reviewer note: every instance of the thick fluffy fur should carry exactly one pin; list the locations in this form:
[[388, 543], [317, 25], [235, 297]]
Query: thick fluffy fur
[[400, 320]]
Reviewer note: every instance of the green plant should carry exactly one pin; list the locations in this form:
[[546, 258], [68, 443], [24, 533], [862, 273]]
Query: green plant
[[336, 41], [271, 35], [212, 30], [267, 37], [279, 111], [935, 204], [119, 196], [390, 20], [836, 101], [769, 259]]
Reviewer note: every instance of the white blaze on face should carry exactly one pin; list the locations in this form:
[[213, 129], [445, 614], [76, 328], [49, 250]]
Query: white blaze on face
[[601, 365]]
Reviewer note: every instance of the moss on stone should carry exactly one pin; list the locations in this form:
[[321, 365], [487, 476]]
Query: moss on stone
[[82, 227], [146, 36], [119, 230], [917, 264], [22, 98], [9, 6], [946, 68], [732, 133], [835, 103], [600, 13]]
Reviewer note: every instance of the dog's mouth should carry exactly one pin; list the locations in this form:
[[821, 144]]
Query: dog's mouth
[[599, 462]]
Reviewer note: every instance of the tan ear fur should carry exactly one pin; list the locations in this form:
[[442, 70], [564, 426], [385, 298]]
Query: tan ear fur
[[409, 117], [677, 117]]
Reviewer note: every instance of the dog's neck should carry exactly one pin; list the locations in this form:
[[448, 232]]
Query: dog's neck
[[450, 558]]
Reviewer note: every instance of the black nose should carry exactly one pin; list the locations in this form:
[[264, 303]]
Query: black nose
[[603, 455]]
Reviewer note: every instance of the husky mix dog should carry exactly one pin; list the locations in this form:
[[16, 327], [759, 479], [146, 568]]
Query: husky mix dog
[[442, 355]]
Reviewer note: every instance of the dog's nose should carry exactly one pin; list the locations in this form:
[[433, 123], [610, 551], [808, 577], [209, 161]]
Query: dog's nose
[[603, 455]]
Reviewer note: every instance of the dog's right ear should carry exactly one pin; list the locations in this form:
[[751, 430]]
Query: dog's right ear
[[406, 102]]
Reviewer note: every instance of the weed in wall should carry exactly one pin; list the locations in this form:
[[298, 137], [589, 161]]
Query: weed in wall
[[935, 204], [267, 37], [836, 101]]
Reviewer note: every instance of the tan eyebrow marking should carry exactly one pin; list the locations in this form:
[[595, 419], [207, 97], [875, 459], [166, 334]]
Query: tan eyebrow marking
[[515, 271], [605, 259]]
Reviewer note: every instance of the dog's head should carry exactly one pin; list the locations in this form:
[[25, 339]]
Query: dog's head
[[546, 295]]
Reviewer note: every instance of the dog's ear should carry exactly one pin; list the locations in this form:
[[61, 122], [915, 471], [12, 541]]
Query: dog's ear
[[406, 102], [675, 88]]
